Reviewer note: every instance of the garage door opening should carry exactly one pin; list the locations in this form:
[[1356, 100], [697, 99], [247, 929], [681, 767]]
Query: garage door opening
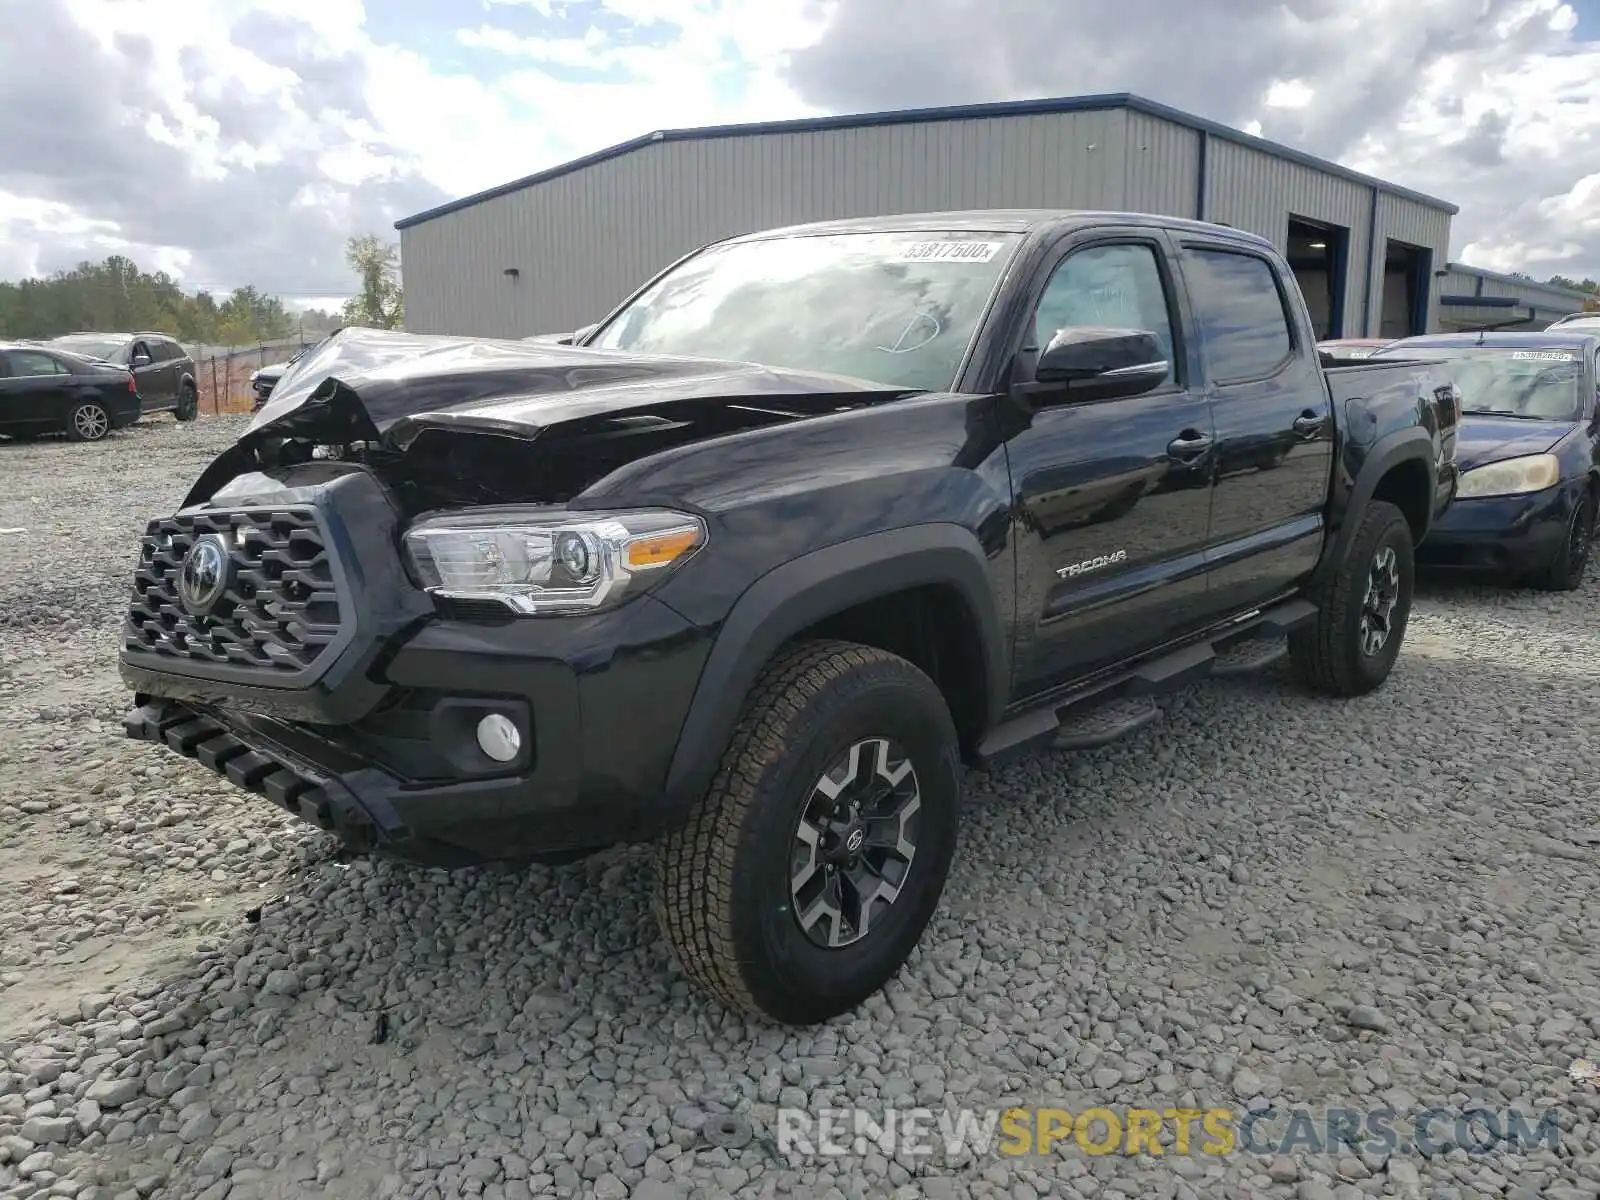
[[1317, 255], [1407, 274]]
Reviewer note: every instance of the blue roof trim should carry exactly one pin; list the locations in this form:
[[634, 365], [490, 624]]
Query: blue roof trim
[[1481, 301], [911, 116]]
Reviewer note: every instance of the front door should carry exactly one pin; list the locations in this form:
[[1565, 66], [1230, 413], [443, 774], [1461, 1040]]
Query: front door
[[1112, 497], [1274, 425]]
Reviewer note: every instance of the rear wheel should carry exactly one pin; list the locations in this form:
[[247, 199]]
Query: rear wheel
[[1565, 573], [88, 422], [802, 880], [1362, 609], [188, 403]]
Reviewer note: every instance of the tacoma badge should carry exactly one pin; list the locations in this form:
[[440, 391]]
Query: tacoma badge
[[1091, 564]]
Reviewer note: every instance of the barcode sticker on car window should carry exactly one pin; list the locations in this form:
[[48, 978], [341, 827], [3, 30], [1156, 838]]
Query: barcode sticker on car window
[[1545, 355], [949, 251]]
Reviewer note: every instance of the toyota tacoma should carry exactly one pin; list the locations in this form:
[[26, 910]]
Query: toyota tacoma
[[754, 565]]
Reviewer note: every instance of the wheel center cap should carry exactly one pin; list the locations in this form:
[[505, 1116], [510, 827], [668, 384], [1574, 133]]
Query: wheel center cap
[[854, 840]]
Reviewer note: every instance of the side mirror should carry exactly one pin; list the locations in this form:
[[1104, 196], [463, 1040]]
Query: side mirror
[[577, 335], [141, 360], [1097, 363]]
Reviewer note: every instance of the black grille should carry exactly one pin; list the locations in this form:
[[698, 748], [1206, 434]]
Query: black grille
[[280, 612]]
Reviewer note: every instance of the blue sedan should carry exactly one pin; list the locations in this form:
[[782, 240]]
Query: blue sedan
[[1528, 451]]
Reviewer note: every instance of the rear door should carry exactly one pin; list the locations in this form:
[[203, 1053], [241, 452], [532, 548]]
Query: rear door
[[1112, 497], [151, 375], [35, 388], [1274, 423]]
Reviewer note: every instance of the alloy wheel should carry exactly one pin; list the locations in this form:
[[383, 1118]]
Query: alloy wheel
[[91, 422], [855, 842], [1378, 604]]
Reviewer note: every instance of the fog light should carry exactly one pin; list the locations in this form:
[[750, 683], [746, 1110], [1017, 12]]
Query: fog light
[[498, 737]]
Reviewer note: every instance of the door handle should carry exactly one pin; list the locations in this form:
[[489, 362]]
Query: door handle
[[1308, 424], [1189, 445]]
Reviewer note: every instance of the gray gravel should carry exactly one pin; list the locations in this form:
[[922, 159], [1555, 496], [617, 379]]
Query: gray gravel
[[1264, 900]]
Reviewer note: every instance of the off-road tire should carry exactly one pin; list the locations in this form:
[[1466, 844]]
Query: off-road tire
[[188, 403], [88, 422], [1566, 572], [723, 877], [1327, 655]]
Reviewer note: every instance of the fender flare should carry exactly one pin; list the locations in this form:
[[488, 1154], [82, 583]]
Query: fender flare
[[1388, 452], [808, 589]]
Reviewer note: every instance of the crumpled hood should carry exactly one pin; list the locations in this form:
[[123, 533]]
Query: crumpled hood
[[1483, 439], [371, 384]]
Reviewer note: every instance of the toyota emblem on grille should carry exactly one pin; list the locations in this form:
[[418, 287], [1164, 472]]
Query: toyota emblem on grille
[[204, 576]]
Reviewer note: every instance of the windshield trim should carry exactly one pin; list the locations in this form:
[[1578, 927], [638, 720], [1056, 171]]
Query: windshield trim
[[1018, 238]]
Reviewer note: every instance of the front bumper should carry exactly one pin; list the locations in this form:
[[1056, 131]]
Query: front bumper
[[375, 739], [1510, 534], [599, 704]]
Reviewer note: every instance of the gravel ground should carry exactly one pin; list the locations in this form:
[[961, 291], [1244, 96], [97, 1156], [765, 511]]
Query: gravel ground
[[1264, 899]]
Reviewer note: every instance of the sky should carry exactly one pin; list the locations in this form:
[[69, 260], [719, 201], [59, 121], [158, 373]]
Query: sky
[[242, 141]]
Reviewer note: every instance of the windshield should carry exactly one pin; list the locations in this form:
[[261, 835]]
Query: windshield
[[90, 347], [898, 309], [1539, 384]]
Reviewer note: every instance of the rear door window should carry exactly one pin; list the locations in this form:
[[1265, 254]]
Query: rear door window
[[31, 363], [1240, 313]]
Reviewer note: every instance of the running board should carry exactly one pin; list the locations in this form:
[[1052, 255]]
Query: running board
[[1105, 723], [1116, 706], [1249, 656]]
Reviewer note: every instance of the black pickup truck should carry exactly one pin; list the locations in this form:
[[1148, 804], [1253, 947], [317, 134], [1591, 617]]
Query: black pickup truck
[[812, 519]]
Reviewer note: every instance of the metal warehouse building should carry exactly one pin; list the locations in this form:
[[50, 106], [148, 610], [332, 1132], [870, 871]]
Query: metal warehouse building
[[559, 249], [1476, 299]]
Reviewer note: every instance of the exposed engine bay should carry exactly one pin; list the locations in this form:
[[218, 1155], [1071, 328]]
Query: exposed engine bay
[[453, 422]]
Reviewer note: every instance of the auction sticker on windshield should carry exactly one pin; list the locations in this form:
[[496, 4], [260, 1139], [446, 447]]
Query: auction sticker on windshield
[[949, 251], [1545, 355]]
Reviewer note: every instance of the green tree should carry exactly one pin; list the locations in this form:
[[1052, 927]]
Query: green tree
[[114, 295], [380, 302]]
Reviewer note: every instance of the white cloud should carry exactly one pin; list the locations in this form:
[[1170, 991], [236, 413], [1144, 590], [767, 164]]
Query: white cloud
[[247, 139]]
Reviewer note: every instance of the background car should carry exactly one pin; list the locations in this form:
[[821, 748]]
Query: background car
[[1529, 452], [1579, 322], [45, 390], [162, 369]]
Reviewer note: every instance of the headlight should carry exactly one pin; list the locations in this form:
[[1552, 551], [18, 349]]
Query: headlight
[[550, 561], [1513, 477]]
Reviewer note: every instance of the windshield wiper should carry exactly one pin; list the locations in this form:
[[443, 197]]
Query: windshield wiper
[[1500, 412]]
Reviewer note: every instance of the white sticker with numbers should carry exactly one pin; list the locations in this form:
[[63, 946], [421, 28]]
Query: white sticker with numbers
[[949, 251], [1545, 355]]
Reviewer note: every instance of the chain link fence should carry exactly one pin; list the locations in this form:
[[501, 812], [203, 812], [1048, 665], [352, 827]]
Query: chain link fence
[[222, 373]]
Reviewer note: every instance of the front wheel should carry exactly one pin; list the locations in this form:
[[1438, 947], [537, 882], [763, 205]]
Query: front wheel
[[1566, 572], [88, 422], [188, 403], [803, 879], [1362, 609]]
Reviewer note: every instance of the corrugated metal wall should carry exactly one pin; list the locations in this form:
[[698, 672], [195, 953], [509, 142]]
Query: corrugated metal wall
[[582, 241], [1163, 167], [1545, 302]]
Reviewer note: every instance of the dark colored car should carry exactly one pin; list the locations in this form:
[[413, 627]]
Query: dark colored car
[[1529, 453], [811, 519], [163, 370], [45, 390]]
